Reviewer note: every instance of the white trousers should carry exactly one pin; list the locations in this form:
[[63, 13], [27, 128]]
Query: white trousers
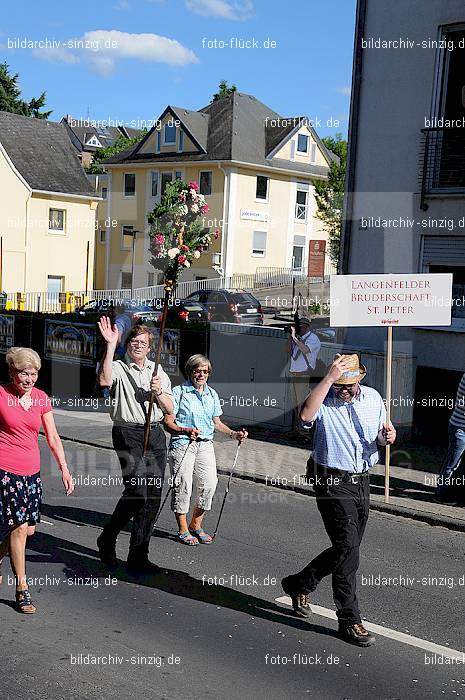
[[199, 464]]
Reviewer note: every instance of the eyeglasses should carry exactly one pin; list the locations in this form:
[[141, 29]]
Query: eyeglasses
[[27, 375], [138, 343], [343, 387], [201, 371]]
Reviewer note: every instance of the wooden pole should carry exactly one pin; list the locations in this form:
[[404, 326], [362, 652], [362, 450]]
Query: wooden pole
[[168, 290], [388, 410]]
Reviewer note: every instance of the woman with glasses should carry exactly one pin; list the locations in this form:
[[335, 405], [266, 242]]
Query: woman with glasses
[[23, 411], [196, 415], [132, 380]]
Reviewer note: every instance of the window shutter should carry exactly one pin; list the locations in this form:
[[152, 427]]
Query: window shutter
[[443, 250]]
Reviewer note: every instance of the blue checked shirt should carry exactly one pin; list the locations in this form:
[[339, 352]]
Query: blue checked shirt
[[195, 409], [346, 432]]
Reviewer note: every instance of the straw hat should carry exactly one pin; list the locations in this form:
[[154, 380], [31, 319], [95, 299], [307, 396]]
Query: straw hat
[[356, 371]]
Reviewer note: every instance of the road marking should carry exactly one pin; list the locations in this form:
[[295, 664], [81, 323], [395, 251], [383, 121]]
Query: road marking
[[47, 522], [387, 632]]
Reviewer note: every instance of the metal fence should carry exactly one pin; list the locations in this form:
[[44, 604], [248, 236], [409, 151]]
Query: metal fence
[[61, 302]]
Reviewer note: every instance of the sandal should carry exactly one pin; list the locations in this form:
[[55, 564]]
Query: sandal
[[202, 536], [23, 601], [187, 538]]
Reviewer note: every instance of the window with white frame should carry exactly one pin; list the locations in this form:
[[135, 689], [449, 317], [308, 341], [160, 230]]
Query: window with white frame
[[103, 235], [178, 174], [169, 134], [154, 183], [302, 143], [126, 237], [259, 243], [126, 280], [56, 220], [129, 184], [205, 178], [181, 140], [261, 188], [165, 179], [301, 202], [150, 279]]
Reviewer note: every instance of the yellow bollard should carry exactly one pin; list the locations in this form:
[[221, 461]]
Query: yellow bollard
[[20, 301]]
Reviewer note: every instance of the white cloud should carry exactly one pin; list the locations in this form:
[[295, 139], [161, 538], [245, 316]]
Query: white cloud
[[101, 49], [225, 9], [346, 90], [122, 5]]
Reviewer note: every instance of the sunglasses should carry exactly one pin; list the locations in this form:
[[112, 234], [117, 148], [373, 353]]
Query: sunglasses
[[342, 387]]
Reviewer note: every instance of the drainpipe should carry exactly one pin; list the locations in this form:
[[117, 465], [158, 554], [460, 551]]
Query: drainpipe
[[225, 231], [353, 137], [26, 250]]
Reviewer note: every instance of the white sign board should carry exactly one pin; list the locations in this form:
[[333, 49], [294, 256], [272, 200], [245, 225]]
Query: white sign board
[[250, 215], [391, 300]]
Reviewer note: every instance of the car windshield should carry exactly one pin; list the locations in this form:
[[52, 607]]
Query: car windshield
[[245, 299]]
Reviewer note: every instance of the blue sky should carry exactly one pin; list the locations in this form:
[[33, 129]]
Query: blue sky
[[128, 59]]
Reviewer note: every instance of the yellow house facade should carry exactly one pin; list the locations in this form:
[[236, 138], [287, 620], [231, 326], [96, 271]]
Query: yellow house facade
[[256, 170], [48, 212]]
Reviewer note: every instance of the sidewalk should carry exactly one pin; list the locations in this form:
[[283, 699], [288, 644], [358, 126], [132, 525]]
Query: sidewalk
[[283, 466]]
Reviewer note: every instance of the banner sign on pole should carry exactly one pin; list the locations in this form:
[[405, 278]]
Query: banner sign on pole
[[391, 300]]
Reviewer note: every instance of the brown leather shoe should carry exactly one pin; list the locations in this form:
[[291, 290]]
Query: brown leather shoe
[[300, 601], [356, 634]]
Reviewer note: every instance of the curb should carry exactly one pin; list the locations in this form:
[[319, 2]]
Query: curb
[[437, 520]]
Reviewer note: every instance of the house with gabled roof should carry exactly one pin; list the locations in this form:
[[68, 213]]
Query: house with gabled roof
[[48, 211], [256, 170], [87, 135]]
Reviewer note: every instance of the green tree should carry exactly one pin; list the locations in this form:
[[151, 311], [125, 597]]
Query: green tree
[[10, 96], [119, 145], [225, 90], [329, 195]]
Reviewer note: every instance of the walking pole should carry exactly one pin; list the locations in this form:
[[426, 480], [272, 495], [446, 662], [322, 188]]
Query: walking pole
[[388, 411], [227, 490], [172, 483]]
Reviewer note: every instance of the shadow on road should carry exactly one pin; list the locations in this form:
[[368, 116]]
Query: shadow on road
[[79, 560]]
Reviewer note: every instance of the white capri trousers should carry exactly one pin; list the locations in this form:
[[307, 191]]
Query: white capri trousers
[[198, 463]]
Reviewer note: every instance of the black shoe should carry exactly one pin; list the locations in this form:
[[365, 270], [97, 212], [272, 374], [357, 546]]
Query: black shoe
[[141, 565], [356, 634], [300, 601], [107, 551]]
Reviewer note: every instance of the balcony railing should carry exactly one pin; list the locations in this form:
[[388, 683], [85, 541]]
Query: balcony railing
[[442, 162]]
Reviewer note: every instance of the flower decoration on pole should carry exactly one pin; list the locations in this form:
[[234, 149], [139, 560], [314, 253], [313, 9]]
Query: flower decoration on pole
[[177, 238], [177, 234]]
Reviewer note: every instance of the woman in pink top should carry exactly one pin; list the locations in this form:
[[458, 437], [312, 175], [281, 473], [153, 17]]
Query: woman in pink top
[[23, 411]]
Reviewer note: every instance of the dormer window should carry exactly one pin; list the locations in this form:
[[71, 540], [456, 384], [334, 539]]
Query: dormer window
[[169, 135], [93, 141], [302, 143]]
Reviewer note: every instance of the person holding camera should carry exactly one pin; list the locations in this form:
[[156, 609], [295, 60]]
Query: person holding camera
[[132, 380], [350, 425], [303, 346]]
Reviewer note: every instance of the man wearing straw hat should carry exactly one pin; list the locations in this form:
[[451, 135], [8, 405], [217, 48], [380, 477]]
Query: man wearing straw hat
[[350, 425]]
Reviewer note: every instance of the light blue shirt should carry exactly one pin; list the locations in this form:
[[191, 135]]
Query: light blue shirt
[[346, 432], [195, 409]]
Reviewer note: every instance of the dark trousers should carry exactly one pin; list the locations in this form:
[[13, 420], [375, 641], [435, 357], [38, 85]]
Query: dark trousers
[[344, 508], [143, 483]]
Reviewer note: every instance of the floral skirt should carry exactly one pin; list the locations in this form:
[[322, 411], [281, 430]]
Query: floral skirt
[[20, 499]]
